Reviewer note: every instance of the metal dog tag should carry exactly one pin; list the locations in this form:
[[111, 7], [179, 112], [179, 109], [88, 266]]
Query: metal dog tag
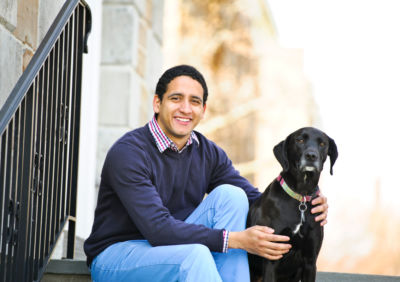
[[302, 209]]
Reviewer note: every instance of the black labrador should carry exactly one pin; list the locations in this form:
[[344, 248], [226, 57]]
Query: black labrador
[[286, 203]]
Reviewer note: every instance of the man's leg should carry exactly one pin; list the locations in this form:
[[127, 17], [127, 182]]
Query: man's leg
[[226, 207], [137, 260]]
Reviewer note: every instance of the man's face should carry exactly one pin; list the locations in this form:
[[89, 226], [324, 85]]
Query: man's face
[[181, 108]]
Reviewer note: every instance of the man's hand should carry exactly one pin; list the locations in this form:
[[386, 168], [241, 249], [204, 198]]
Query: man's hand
[[321, 204], [260, 240]]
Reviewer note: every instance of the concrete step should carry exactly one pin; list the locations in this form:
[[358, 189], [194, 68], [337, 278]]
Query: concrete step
[[350, 277], [65, 270]]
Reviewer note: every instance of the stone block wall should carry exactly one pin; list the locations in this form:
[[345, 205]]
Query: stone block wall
[[11, 54], [131, 62], [11, 49], [23, 24]]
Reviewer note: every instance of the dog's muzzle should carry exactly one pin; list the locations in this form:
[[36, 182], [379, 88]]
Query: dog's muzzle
[[310, 162]]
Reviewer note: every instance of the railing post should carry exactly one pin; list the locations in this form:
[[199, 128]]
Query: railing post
[[21, 267]]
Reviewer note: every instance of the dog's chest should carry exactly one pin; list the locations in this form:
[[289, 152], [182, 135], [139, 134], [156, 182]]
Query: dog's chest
[[280, 211], [295, 221], [291, 218]]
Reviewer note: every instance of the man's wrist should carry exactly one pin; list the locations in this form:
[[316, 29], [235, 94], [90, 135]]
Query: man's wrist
[[234, 240]]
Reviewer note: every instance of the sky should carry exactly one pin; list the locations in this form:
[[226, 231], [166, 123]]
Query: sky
[[352, 59]]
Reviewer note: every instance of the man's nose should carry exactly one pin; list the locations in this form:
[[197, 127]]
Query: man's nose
[[185, 106]]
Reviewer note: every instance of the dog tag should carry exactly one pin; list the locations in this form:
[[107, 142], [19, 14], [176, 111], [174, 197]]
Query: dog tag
[[302, 209]]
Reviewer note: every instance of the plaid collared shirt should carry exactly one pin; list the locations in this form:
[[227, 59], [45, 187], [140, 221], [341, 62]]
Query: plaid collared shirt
[[164, 142]]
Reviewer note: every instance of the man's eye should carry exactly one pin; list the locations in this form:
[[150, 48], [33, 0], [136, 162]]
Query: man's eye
[[197, 102]]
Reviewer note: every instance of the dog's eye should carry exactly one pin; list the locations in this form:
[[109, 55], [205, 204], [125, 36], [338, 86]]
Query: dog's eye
[[300, 140], [322, 144]]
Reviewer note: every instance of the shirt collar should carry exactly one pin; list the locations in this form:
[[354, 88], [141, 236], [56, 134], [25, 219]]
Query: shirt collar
[[163, 142]]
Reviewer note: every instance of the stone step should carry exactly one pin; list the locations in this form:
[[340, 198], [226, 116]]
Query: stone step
[[65, 270]]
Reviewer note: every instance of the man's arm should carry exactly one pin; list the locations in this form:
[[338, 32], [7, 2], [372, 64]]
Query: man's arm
[[128, 171]]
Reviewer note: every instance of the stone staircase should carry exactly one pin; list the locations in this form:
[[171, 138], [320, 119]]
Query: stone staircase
[[64, 270]]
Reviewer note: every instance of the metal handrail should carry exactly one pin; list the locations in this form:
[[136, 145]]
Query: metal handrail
[[39, 142]]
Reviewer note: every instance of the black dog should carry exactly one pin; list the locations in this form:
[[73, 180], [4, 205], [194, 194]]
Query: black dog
[[285, 206]]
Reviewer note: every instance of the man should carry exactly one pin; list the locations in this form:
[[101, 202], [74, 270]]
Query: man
[[152, 222]]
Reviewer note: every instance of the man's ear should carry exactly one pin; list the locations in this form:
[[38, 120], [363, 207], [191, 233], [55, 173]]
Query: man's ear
[[156, 104], [204, 110]]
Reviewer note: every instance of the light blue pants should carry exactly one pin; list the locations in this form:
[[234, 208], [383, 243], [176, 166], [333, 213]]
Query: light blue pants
[[136, 260]]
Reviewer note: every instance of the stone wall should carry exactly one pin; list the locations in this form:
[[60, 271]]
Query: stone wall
[[23, 24], [131, 62]]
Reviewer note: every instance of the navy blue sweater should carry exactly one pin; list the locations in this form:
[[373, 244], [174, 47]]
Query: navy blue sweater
[[145, 194]]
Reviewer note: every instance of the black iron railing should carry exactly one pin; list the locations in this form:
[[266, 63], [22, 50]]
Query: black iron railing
[[39, 141]]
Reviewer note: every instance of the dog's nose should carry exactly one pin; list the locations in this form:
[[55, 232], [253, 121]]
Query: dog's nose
[[311, 156]]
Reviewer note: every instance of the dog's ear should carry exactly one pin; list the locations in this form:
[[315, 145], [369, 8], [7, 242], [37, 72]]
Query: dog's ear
[[280, 152], [332, 152]]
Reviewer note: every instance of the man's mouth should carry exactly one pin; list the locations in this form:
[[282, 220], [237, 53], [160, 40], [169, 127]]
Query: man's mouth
[[181, 119]]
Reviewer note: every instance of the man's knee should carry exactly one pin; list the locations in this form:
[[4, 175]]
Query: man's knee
[[234, 196]]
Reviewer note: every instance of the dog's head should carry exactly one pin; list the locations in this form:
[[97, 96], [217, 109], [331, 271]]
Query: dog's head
[[306, 150]]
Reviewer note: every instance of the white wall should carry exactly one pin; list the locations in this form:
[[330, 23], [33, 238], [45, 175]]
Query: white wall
[[88, 134]]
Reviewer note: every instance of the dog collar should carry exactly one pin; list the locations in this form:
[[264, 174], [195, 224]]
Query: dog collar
[[293, 194]]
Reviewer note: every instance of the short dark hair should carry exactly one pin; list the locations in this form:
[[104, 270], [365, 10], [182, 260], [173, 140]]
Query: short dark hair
[[176, 71]]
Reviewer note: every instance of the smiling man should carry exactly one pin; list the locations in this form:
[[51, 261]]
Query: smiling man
[[152, 220]]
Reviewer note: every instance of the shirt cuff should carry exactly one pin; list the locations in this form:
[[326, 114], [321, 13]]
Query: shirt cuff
[[226, 241]]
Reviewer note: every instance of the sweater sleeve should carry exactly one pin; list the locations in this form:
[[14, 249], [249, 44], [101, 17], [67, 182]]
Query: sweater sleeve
[[225, 173], [128, 171]]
